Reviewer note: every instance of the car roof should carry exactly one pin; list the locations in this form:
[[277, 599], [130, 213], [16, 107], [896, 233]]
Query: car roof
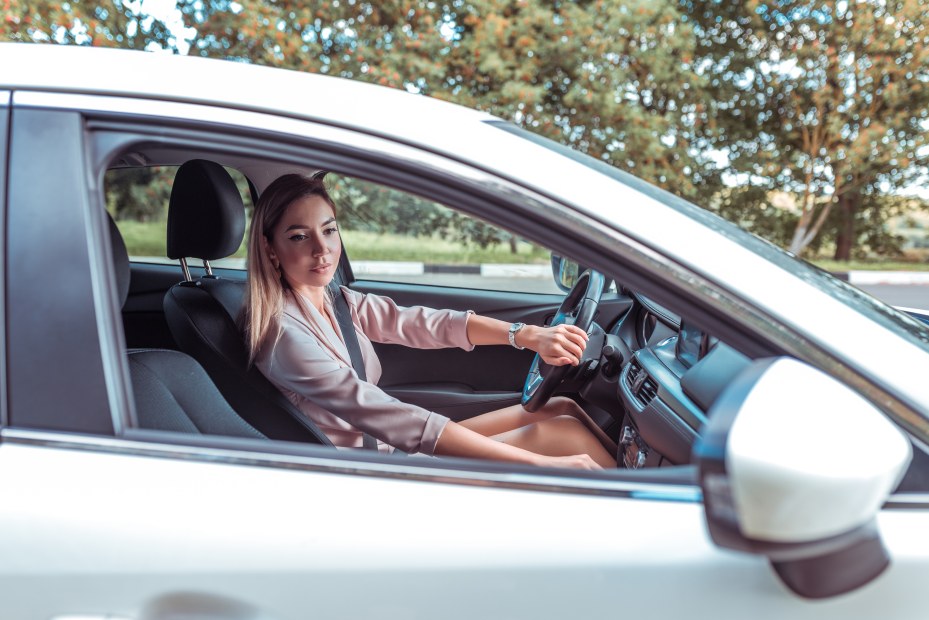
[[238, 85]]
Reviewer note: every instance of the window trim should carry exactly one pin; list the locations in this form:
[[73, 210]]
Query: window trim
[[480, 192], [5, 120], [677, 484]]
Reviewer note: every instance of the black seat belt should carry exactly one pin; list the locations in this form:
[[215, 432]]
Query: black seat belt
[[343, 317]]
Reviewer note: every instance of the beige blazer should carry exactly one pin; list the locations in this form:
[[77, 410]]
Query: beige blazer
[[309, 363]]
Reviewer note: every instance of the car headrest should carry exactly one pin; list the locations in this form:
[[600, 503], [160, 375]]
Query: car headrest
[[206, 216], [120, 261]]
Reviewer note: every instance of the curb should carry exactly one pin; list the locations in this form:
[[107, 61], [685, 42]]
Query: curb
[[491, 270], [905, 278]]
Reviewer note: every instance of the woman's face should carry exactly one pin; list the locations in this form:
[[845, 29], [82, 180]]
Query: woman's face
[[306, 244]]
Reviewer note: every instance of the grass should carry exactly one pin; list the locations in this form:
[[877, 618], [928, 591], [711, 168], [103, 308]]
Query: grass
[[144, 238], [387, 247], [871, 265], [148, 239]]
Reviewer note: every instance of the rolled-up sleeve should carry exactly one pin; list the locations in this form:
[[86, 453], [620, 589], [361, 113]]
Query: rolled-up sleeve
[[299, 364], [382, 320]]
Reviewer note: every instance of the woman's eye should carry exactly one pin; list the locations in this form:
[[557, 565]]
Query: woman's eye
[[331, 231], [297, 237]]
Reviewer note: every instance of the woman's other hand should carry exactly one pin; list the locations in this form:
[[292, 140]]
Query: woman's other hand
[[576, 461], [557, 346]]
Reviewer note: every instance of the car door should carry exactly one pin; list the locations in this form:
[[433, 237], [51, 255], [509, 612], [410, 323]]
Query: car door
[[101, 519]]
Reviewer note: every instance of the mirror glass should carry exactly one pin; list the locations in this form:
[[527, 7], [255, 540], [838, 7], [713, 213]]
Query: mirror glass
[[565, 271]]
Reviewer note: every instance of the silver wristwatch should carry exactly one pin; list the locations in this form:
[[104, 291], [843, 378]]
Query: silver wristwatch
[[511, 335]]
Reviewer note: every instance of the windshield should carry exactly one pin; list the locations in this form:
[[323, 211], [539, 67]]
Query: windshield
[[893, 319]]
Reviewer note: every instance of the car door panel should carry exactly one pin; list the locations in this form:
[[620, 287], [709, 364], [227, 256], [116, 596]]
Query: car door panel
[[157, 529], [54, 238], [461, 384]]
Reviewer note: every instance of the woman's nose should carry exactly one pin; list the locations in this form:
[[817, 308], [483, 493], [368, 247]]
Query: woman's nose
[[319, 248]]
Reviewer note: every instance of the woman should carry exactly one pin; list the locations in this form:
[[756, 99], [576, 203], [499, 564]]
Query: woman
[[293, 337]]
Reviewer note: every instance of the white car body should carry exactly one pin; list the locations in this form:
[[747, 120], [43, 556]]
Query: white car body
[[127, 526]]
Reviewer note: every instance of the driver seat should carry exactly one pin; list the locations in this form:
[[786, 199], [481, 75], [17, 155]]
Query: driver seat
[[206, 220]]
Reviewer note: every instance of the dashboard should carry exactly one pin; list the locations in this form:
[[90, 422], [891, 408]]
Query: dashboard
[[669, 376]]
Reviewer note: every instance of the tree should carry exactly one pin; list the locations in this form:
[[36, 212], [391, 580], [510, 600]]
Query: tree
[[112, 23], [825, 99], [612, 79], [139, 194]]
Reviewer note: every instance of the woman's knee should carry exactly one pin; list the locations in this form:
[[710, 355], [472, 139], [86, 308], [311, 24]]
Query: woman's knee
[[564, 406], [567, 424]]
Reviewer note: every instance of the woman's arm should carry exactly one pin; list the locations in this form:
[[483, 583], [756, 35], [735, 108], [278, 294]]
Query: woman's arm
[[456, 440], [559, 345]]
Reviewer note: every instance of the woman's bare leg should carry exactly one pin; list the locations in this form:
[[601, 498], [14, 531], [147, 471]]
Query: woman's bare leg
[[514, 417], [561, 435]]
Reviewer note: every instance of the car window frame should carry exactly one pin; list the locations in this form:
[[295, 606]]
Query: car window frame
[[415, 169], [5, 101], [108, 135]]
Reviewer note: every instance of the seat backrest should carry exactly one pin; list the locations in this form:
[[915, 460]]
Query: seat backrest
[[172, 391], [202, 313]]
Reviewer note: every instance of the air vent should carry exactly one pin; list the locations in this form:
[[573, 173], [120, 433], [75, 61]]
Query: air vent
[[633, 374], [647, 391], [640, 384]]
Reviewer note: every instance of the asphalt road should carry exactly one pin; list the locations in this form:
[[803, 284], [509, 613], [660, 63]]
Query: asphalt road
[[910, 296]]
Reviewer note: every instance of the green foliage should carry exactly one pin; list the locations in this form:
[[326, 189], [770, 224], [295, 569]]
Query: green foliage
[[613, 79], [112, 23], [140, 194], [825, 100], [752, 208], [724, 102], [369, 207], [871, 225]]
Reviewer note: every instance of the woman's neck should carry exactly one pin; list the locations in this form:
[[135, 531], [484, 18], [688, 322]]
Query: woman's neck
[[316, 295]]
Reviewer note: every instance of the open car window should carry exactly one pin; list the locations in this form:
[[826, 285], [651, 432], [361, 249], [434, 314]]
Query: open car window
[[137, 198]]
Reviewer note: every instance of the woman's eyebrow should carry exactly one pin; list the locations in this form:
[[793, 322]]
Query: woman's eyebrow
[[299, 226]]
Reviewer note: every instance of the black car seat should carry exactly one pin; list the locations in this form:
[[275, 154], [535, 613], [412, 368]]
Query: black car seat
[[206, 221], [172, 392]]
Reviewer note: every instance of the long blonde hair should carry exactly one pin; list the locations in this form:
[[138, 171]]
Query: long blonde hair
[[264, 295]]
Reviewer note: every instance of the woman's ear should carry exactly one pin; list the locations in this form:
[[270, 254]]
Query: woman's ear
[[270, 252]]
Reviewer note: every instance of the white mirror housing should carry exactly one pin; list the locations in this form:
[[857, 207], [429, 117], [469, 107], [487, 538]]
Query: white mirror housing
[[795, 465]]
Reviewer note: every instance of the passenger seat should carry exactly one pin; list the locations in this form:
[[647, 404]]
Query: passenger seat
[[172, 391], [206, 221]]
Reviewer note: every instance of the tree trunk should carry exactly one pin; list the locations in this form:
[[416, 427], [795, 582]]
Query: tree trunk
[[809, 224], [845, 237], [513, 248]]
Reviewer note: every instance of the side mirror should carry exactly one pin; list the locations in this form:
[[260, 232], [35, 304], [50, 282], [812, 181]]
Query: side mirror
[[566, 272], [795, 466]]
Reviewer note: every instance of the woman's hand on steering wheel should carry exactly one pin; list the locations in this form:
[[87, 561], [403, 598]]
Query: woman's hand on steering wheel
[[558, 345], [576, 311]]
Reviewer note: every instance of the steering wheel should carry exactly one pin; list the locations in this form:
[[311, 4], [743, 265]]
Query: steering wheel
[[578, 308]]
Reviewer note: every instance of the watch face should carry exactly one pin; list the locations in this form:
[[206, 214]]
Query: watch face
[[511, 335]]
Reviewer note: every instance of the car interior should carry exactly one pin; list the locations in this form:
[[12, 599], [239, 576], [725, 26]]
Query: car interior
[[648, 377]]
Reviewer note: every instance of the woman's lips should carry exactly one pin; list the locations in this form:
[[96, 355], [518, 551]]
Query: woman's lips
[[322, 268]]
